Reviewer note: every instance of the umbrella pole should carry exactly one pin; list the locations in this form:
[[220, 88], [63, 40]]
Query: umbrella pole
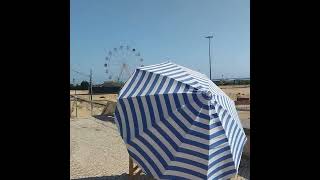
[[133, 169], [130, 166]]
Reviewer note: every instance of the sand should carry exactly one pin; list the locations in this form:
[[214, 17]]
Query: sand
[[99, 153], [96, 149]]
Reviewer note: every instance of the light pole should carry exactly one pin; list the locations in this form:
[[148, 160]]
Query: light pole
[[209, 37]]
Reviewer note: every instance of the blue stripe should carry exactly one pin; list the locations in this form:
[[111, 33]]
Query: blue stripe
[[146, 157], [233, 137], [176, 133], [183, 75], [214, 145], [169, 86], [220, 168], [152, 116], [239, 154], [130, 84], [158, 69], [170, 70], [226, 125], [184, 114], [160, 85], [192, 109], [235, 142], [134, 117], [229, 129], [179, 149], [137, 85], [153, 150], [198, 102], [125, 119], [193, 83], [175, 73], [233, 171], [153, 84], [160, 144], [188, 171], [177, 87], [143, 115], [145, 84], [187, 79], [237, 146], [177, 120], [224, 149], [136, 158], [191, 162], [116, 113], [228, 156]]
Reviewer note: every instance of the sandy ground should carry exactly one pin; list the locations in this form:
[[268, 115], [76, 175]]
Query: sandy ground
[[98, 97], [84, 109], [96, 149], [98, 152], [233, 91]]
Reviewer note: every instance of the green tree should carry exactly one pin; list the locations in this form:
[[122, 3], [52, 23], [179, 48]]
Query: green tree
[[84, 85]]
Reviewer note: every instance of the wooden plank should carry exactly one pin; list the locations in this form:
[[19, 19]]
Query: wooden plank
[[139, 172], [135, 168], [130, 167]]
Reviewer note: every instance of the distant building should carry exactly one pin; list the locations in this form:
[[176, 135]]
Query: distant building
[[109, 87]]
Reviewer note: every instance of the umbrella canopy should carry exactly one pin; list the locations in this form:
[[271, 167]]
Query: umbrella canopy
[[177, 124]]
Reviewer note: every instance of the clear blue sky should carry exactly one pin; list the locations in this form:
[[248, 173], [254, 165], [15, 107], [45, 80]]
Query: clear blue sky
[[160, 30]]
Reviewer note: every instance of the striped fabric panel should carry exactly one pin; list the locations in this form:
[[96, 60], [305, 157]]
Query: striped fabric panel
[[177, 124], [179, 73]]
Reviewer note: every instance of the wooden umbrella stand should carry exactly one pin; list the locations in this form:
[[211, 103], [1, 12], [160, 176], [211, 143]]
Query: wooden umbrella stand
[[133, 168]]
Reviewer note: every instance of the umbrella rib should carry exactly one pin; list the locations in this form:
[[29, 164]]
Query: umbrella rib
[[178, 145], [171, 78], [232, 118]]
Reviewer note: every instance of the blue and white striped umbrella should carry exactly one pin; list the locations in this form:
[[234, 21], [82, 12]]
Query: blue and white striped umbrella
[[177, 124]]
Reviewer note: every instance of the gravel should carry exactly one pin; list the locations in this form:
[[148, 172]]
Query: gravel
[[98, 152]]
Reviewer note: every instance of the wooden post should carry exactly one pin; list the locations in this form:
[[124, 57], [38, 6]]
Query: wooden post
[[130, 167]]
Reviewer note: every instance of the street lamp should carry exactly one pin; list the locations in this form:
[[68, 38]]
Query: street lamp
[[209, 37]]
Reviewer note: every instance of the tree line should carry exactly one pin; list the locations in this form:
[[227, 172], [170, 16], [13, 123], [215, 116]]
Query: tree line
[[84, 85]]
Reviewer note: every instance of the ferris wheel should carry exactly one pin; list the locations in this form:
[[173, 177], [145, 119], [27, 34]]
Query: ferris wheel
[[121, 62]]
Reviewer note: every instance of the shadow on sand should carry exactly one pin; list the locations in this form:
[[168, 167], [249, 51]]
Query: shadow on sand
[[104, 118], [117, 177]]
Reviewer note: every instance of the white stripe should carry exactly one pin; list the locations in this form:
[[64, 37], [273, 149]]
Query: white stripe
[[125, 86], [222, 171], [142, 82], [181, 174], [133, 150], [165, 69], [131, 125], [138, 114], [146, 89], [156, 85], [220, 164], [154, 66], [173, 151], [167, 159], [150, 154], [160, 68], [133, 85], [165, 85], [124, 127], [147, 112]]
